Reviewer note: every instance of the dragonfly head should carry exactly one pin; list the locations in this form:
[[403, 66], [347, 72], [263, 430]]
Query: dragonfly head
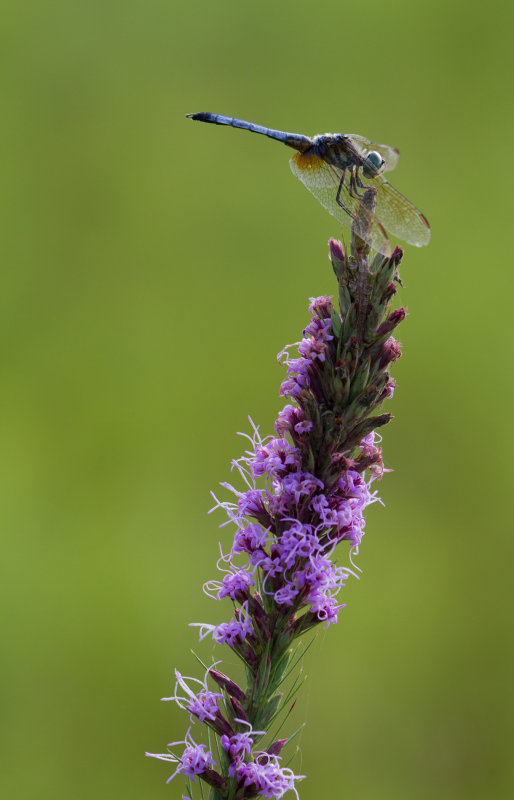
[[373, 164]]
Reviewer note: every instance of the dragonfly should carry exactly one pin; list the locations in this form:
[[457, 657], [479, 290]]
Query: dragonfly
[[337, 168]]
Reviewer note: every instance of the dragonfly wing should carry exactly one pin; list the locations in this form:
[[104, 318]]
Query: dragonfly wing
[[322, 180], [397, 214], [390, 154]]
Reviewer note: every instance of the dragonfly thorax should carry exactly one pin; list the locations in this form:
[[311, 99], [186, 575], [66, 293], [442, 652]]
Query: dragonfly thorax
[[337, 149]]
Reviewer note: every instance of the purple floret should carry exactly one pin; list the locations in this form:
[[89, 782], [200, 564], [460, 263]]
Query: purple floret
[[276, 457], [237, 585], [205, 706]]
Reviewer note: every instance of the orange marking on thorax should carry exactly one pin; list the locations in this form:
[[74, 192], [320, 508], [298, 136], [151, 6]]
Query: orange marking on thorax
[[307, 160]]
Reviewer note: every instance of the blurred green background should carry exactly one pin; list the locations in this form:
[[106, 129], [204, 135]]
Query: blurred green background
[[152, 269]]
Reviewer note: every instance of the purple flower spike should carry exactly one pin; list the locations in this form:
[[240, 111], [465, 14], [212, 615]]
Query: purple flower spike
[[298, 496]]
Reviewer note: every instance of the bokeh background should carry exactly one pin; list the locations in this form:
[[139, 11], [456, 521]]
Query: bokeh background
[[152, 268]]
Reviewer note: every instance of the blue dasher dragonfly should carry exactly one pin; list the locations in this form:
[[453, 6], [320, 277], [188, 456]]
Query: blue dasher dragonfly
[[337, 168]]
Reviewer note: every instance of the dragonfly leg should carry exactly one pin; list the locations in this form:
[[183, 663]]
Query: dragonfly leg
[[360, 184], [338, 195], [355, 182]]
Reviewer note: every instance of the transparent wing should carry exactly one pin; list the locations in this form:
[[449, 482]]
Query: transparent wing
[[397, 214], [390, 154], [322, 180]]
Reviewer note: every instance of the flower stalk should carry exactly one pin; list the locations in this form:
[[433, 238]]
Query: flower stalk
[[305, 491]]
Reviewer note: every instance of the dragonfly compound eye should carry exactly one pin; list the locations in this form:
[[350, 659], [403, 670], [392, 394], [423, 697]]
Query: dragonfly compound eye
[[373, 165]]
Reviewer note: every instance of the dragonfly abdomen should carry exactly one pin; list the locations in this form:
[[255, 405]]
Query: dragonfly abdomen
[[295, 140]]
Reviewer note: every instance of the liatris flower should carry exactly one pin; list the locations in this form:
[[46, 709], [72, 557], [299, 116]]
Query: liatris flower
[[304, 491]]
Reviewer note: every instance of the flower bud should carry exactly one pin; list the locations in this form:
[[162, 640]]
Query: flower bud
[[393, 320]]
